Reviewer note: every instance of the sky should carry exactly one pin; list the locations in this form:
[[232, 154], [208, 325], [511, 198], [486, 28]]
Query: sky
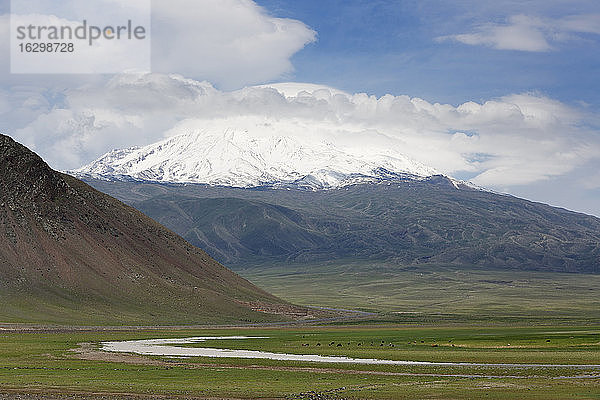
[[451, 51], [503, 93]]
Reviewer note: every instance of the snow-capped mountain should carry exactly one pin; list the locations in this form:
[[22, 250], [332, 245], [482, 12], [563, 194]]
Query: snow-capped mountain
[[236, 158]]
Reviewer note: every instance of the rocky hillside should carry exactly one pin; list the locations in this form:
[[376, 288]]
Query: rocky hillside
[[70, 254]]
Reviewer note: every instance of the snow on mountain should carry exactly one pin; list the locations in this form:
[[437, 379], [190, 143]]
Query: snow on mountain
[[239, 157]]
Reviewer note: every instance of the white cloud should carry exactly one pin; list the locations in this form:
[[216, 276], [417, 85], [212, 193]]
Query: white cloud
[[526, 33], [4, 102], [591, 182], [231, 43], [513, 140], [589, 23], [228, 42]]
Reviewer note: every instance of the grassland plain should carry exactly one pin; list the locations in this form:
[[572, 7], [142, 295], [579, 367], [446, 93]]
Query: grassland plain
[[45, 362], [425, 294]]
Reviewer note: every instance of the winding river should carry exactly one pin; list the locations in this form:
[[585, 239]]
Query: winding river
[[168, 347]]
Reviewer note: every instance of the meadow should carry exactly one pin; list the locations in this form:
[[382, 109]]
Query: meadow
[[440, 314], [436, 294], [57, 362]]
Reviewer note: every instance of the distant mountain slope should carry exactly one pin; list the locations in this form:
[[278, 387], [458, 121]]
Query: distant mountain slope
[[235, 229], [71, 254], [410, 222]]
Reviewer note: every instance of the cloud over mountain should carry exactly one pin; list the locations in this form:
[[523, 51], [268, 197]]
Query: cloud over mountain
[[512, 140]]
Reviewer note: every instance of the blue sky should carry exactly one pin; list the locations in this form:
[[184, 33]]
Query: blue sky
[[389, 46]]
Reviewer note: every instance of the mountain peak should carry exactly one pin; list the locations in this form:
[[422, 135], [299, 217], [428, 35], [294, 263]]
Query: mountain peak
[[26, 178], [254, 155]]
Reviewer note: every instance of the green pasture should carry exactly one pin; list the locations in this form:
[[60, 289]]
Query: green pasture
[[423, 294], [43, 361]]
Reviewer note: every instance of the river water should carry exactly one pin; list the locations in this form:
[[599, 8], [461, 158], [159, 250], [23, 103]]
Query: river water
[[168, 347]]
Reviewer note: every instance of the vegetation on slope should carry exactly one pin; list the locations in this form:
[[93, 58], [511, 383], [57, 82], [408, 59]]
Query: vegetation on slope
[[408, 223]]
